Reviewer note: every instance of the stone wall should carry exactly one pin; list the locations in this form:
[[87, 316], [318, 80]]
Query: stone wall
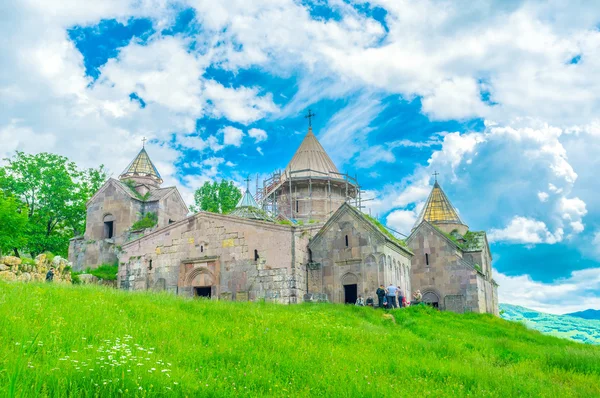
[[457, 285], [84, 254], [14, 269], [111, 200], [219, 252], [171, 208], [368, 260], [89, 253], [481, 258]]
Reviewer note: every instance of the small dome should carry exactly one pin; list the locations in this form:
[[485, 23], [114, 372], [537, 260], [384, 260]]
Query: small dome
[[248, 208], [141, 166]]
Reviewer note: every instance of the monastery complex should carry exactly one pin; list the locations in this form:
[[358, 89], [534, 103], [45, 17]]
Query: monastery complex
[[302, 237]]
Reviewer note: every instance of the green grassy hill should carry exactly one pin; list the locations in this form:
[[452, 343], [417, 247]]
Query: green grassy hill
[[88, 341]]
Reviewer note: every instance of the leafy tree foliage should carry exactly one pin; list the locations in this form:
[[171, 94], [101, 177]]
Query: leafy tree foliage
[[217, 197], [54, 191], [13, 224]]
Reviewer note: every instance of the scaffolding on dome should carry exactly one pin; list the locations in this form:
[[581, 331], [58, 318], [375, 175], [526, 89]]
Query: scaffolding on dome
[[283, 182], [310, 184]]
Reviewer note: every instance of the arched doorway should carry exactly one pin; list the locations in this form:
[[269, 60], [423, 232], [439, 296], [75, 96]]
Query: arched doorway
[[350, 284], [199, 280], [432, 299]]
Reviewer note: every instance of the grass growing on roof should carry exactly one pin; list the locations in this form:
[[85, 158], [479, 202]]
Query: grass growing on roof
[[385, 231], [87, 341]]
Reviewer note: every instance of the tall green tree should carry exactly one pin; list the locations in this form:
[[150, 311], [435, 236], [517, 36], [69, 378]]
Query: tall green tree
[[217, 197], [13, 224], [55, 192]]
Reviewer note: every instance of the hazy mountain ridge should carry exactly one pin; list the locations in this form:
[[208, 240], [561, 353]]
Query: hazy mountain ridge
[[565, 326], [587, 314]]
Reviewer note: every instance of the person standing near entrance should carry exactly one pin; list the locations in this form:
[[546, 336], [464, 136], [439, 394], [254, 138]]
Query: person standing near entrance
[[400, 297], [380, 296], [391, 295]]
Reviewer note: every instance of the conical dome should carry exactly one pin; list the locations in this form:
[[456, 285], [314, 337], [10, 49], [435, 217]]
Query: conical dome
[[247, 200], [439, 211], [141, 166], [311, 156], [248, 208]]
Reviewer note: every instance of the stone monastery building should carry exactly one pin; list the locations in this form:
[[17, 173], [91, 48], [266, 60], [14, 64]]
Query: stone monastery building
[[303, 238]]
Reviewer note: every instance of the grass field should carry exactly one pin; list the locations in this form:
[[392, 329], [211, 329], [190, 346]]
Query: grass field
[[85, 341]]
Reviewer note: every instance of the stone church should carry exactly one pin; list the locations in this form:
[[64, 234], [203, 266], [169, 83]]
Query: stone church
[[301, 238], [452, 266]]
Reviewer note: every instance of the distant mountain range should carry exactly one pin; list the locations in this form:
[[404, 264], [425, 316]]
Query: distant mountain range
[[587, 314], [569, 326]]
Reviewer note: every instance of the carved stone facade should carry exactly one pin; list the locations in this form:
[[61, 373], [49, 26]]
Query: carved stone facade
[[220, 256], [351, 256]]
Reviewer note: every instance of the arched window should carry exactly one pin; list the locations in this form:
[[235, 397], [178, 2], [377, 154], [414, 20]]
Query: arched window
[[109, 226], [346, 240], [201, 249], [256, 256], [426, 259]]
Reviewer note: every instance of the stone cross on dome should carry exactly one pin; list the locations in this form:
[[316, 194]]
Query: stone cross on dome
[[309, 116]]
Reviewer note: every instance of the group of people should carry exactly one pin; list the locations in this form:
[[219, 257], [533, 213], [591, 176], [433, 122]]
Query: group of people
[[390, 297]]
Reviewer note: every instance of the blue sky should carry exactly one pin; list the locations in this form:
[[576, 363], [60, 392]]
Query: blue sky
[[501, 98]]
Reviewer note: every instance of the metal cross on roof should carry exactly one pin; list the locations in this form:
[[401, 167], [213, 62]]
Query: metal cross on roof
[[435, 174], [144, 142], [309, 116], [247, 183]]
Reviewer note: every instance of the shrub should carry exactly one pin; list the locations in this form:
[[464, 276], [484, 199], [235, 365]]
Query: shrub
[[149, 220], [28, 261], [75, 279], [108, 272]]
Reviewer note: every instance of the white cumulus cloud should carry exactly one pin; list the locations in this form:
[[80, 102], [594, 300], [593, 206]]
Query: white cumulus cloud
[[525, 230], [259, 135], [232, 136]]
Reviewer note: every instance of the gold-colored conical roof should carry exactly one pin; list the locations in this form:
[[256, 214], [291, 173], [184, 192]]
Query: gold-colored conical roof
[[141, 166], [438, 209], [311, 156]]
